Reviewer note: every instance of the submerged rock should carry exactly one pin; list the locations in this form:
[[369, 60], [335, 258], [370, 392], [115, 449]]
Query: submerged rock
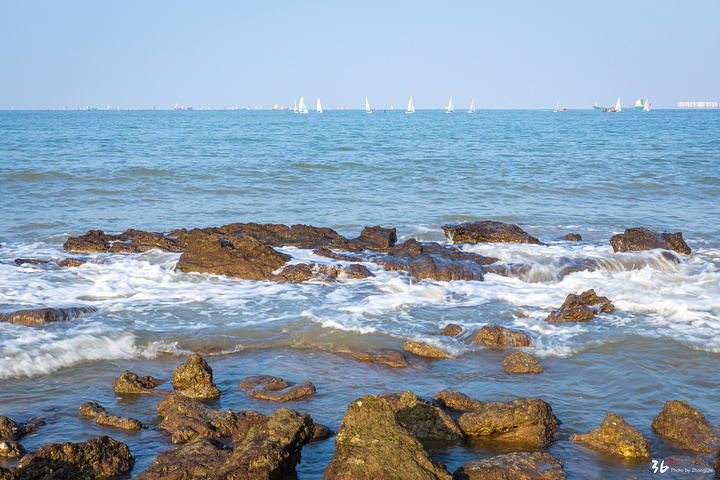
[[41, 316], [452, 330], [514, 466], [422, 418], [521, 362], [499, 337], [302, 272], [487, 232], [96, 411], [424, 350], [681, 423], [637, 239], [382, 356], [129, 383], [266, 387], [580, 308], [194, 379], [72, 262], [617, 437], [572, 237], [456, 401]]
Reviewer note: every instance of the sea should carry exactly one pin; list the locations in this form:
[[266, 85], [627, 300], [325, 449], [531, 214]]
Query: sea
[[595, 174]]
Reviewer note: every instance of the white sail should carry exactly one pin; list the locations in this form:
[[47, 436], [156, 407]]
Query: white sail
[[617, 106], [450, 108], [411, 107], [367, 106], [472, 106], [646, 107], [557, 107], [295, 107], [302, 108], [319, 107]]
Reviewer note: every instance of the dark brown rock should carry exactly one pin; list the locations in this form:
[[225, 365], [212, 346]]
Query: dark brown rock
[[499, 337], [374, 238], [684, 425], [581, 308], [617, 437], [12, 430], [637, 239], [382, 356], [424, 350], [72, 262], [30, 261], [572, 237], [526, 421], [487, 232], [514, 466], [92, 241], [10, 449], [197, 459], [130, 383], [521, 362], [452, 330], [302, 272], [327, 253], [301, 236], [456, 401], [240, 257], [371, 444], [194, 379], [422, 418], [96, 411], [41, 316], [266, 387], [321, 432], [130, 241]]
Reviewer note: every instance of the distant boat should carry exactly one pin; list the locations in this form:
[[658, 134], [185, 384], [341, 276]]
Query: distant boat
[[295, 106], [557, 107], [367, 106], [319, 107], [450, 108], [302, 108], [639, 105], [618, 107], [472, 106], [646, 107], [411, 107]]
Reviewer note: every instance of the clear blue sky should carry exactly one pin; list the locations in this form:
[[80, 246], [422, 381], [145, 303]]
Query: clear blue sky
[[514, 54]]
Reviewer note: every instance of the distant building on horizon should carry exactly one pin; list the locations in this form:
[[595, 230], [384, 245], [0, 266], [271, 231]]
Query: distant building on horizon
[[698, 104]]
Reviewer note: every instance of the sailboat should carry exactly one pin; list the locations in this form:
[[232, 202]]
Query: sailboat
[[302, 108], [295, 107], [646, 107], [557, 107], [367, 106], [472, 106], [450, 108], [411, 107], [319, 107], [618, 107]]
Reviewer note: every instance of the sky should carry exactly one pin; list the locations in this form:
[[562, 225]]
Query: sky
[[512, 54]]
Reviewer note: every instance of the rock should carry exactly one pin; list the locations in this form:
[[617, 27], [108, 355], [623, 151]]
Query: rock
[[130, 241], [302, 272], [29, 261], [572, 237], [41, 316], [300, 236], [130, 383], [241, 257], [266, 387], [197, 459], [684, 425], [487, 232], [424, 350], [382, 356], [92, 241], [72, 262], [10, 449], [499, 337], [421, 418], [525, 421], [374, 238], [327, 253], [527, 272], [194, 379], [371, 444], [514, 466], [11, 430], [452, 330], [580, 308], [637, 239], [97, 457], [456, 401], [617, 437], [321, 432], [92, 409], [521, 362]]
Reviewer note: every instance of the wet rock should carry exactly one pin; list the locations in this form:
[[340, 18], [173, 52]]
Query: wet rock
[[382, 356], [521, 362], [456, 401], [684, 425], [327, 253], [300, 236], [29, 261], [572, 237], [514, 466], [95, 458], [302, 272], [487, 232], [10, 449], [581, 308], [12, 430], [92, 241], [374, 238], [130, 383], [525, 421], [321, 432], [371, 444], [41, 316], [424, 350], [266, 387], [197, 459], [637, 239], [96, 411], [130, 241], [617, 437], [194, 379], [72, 262], [499, 337], [242, 257], [422, 418], [452, 330]]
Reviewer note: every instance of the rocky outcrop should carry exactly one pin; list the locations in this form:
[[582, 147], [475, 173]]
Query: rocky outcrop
[[526, 421], [637, 239], [96, 411], [301, 272], [581, 308], [130, 241], [372, 444], [321, 432], [487, 232], [617, 437], [199, 458], [572, 237], [41, 316], [266, 387], [300, 236], [521, 362], [499, 337], [425, 350], [514, 466], [12, 430], [422, 418], [10, 449], [130, 383], [373, 238], [456, 401], [681, 423], [194, 379], [386, 357], [452, 330]]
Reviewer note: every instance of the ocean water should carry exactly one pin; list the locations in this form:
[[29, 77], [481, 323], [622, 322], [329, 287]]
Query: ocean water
[[63, 173]]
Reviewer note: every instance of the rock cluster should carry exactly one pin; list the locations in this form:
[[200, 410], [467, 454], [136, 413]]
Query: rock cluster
[[637, 239], [266, 387], [96, 411], [487, 232], [580, 308]]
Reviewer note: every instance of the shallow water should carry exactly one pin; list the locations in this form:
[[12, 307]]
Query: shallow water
[[63, 173]]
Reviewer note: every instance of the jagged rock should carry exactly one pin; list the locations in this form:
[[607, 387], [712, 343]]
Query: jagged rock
[[371, 444], [194, 379], [521, 362], [302, 272], [581, 308], [525, 421], [374, 238], [637, 239], [617, 437], [684, 425], [572, 237], [487, 232], [72, 262], [92, 241], [452, 330], [30, 261], [514, 466], [382, 356], [499, 337], [422, 418], [130, 241], [266, 387], [10, 449], [41, 316], [456, 401], [97, 457], [301, 236], [424, 350], [11, 430], [243, 257], [96, 411], [130, 383], [199, 458]]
